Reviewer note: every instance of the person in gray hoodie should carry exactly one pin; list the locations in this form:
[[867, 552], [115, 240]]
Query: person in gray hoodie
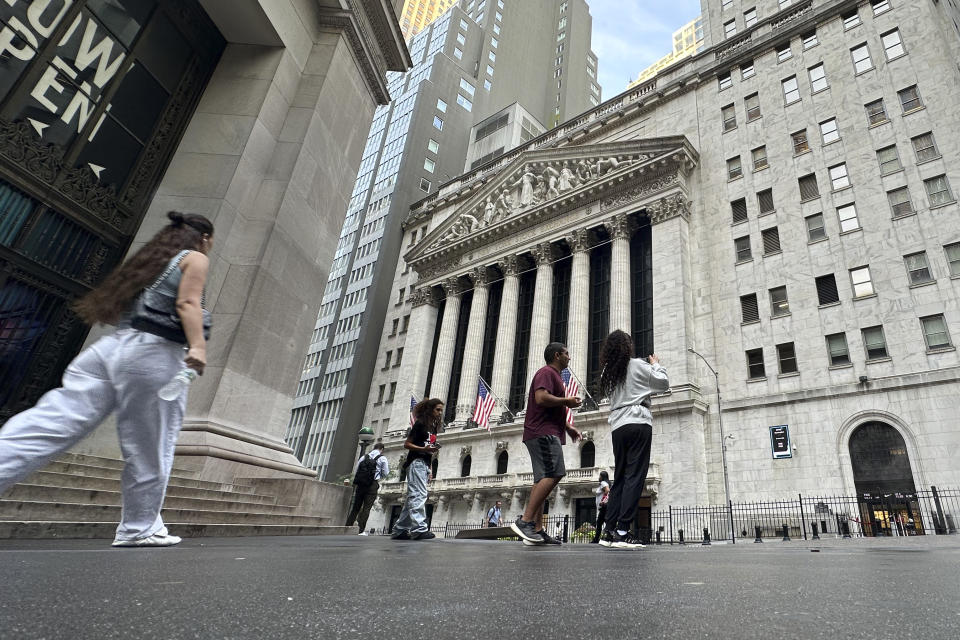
[[628, 382]]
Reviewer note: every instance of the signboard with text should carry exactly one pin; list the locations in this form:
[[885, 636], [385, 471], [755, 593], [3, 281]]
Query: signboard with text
[[780, 442]]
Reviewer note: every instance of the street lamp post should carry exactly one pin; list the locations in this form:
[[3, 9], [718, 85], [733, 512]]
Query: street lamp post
[[365, 436], [723, 444]]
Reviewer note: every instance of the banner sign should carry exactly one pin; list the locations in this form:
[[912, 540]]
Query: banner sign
[[780, 442]]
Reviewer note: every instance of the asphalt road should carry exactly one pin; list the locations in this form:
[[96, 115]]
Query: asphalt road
[[355, 587]]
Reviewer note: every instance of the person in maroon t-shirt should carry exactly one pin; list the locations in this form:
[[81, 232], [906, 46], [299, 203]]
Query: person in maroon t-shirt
[[544, 431]]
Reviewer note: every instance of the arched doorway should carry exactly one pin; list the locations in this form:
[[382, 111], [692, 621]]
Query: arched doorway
[[884, 480], [465, 466], [588, 455], [502, 461]]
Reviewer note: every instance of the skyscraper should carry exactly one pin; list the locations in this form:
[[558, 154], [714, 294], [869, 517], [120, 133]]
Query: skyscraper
[[417, 14], [474, 62], [688, 40]]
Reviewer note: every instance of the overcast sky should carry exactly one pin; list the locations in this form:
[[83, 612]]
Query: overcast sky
[[629, 35]]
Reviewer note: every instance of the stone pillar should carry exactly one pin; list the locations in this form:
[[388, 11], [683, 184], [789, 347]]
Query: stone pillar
[[578, 320], [473, 349], [620, 293], [443, 362], [417, 355], [507, 331], [542, 306]]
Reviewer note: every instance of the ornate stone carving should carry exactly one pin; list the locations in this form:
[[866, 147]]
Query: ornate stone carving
[[480, 277], [452, 286], [543, 253], [587, 435], [669, 207], [502, 445], [619, 227], [639, 191], [465, 450], [579, 240], [510, 265], [81, 185], [19, 143], [422, 296]]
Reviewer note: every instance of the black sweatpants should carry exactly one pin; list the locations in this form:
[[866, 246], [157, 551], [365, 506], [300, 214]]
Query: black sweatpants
[[631, 455]]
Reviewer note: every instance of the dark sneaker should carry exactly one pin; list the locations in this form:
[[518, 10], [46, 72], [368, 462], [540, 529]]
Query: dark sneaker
[[400, 535], [628, 541], [424, 535], [607, 537], [547, 539], [526, 530]]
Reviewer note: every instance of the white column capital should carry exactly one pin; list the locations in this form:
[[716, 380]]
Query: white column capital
[[543, 254], [579, 240], [452, 287], [619, 227], [480, 277], [510, 265], [669, 207]]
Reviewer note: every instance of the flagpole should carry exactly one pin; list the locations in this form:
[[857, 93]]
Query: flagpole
[[584, 387], [496, 397]]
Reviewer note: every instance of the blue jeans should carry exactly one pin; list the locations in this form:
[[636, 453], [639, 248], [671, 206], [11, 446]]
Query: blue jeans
[[413, 517]]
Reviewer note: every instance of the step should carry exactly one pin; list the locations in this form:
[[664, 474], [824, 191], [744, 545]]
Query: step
[[76, 469], [113, 463], [75, 495], [24, 511], [176, 487], [39, 529]]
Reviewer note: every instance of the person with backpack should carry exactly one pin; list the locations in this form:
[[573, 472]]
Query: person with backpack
[[366, 483], [494, 517]]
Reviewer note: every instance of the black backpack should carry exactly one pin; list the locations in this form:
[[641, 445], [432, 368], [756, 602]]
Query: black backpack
[[366, 471]]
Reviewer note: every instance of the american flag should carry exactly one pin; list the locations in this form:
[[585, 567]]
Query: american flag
[[485, 402], [413, 403], [570, 389]]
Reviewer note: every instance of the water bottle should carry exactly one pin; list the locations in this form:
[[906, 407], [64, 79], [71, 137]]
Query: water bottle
[[172, 390]]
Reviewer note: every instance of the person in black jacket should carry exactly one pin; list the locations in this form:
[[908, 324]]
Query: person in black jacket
[[364, 495]]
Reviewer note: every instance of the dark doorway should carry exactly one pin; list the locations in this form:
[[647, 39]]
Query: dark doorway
[[585, 512], [883, 480], [502, 461], [465, 467], [588, 455]]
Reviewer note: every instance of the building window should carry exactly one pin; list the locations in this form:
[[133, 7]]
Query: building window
[[393, 392], [396, 324], [755, 368], [726, 4], [399, 357], [381, 391], [724, 81], [900, 203], [747, 70], [441, 105], [952, 251], [457, 53], [779, 305], [851, 20], [910, 98], [492, 56], [752, 104], [496, 29], [837, 349], [462, 39], [771, 241], [874, 343], [742, 248], [862, 284], [429, 165], [827, 290], [848, 218], [809, 40], [935, 332], [879, 6], [750, 17], [925, 147], [889, 160], [800, 142], [759, 158], [468, 88], [489, 70], [739, 208], [838, 177], [437, 123], [818, 78], [487, 84], [892, 44], [918, 268], [433, 146], [808, 187], [748, 308], [464, 102], [424, 185], [734, 170], [784, 52], [787, 357], [463, 24], [829, 131], [765, 201], [729, 28], [938, 191], [861, 59], [815, 229], [729, 114], [791, 91], [876, 112], [494, 42], [406, 324], [400, 295], [386, 360]]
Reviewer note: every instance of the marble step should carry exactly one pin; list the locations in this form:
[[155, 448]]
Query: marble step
[[114, 463], [79, 469], [83, 495], [46, 529]]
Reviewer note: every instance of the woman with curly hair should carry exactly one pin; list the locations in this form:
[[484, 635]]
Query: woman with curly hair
[[123, 372], [628, 382], [421, 444]]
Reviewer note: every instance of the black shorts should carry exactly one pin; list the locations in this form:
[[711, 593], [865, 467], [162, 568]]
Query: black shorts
[[546, 456]]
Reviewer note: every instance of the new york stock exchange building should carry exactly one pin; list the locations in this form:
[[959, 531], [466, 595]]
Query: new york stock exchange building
[[773, 210]]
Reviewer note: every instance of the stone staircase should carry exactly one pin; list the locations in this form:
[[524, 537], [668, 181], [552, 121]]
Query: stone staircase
[[78, 496]]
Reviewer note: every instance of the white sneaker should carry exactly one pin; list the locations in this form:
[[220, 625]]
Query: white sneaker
[[155, 540], [363, 533]]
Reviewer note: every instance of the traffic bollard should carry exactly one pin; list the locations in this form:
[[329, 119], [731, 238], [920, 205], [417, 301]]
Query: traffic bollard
[[816, 532], [846, 529], [680, 533], [786, 533], [706, 537], [759, 538]]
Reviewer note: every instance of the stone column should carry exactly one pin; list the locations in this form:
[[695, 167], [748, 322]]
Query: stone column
[[443, 363], [620, 294], [578, 320], [473, 350], [507, 331], [542, 306], [417, 355]]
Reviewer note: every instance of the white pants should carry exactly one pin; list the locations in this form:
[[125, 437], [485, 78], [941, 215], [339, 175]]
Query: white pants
[[121, 372]]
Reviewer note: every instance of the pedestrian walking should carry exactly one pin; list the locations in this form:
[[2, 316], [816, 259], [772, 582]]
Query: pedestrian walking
[[371, 468], [544, 432], [412, 523], [603, 495], [628, 382], [493, 516], [124, 372]]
